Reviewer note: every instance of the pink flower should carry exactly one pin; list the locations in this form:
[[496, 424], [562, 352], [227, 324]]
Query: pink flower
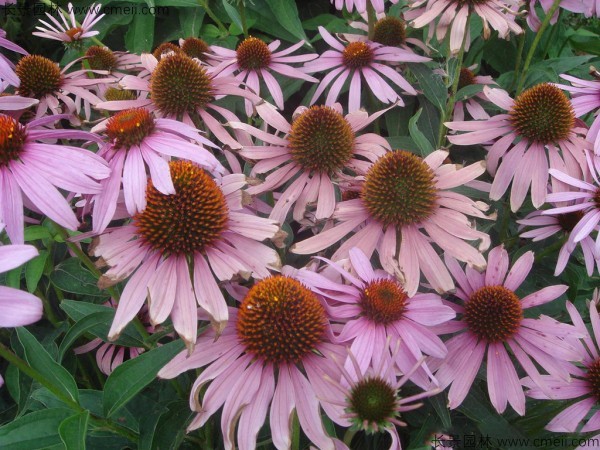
[[32, 170], [369, 398], [137, 140], [181, 88], [200, 229], [17, 308], [110, 356], [374, 308], [576, 6], [471, 105], [584, 203], [583, 385], [71, 32], [540, 119], [315, 151], [9, 45], [360, 5], [254, 59], [585, 98], [400, 195], [492, 320], [267, 359], [454, 13], [40, 78], [548, 224], [361, 59]]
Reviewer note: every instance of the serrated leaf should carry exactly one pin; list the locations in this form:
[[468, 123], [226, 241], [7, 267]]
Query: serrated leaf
[[132, 376], [37, 430], [40, 360], [71, 276], [73, 431], [431, 84], [139, 37], [425, 147], [34, 270], [286, 13]]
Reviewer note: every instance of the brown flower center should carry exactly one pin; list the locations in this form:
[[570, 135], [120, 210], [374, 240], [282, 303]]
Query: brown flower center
[[567, 221], [543, 114], [101, 58], [399, 189], [129, 127], [357, 55], [372, 403], [593, 379], [179, 84], [321, 140], [280, 320], [195, 48], [12, 139], [72, 32], [185, 222], [113, 94], [253, 54], [390, 31], [38, 76], [493, 313], [166, 48], [466, 78], [383, 301]]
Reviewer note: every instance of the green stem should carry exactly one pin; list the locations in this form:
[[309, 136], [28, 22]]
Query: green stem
[[348, 436], [536, 41], [453, 90], [211, 14], [519, 59], [372, 20], [242, 9], [31, 372]]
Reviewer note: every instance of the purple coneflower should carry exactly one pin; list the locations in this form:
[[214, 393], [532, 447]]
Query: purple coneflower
[[181, 88], [137, 140], [585, 202], [540, 119], [17, 308], [254, 59], [360, 5], [71, 32], [368, 399], [314, 151], [492, 320], [177, 242], [471, 105], [401, 194], [374, 308], [453, 14], [585, 97], [576, 6], [361, 61], [34, 169], [267, 359], [584, 385]]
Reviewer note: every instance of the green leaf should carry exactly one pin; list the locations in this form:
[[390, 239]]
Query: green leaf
[[40, 360], [286, 13], [37, 430], [191, 21], [35, 269], [432, 85], [233, 14], [140, 34], [132, 376], [73, 431], [403, 143], [166, 428], [35, 232], [79, 311], [83, 326], [71, 276], [468, 91], [425, 147]]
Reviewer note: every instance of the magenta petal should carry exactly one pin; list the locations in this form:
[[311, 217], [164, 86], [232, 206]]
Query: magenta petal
[[18, 308]]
